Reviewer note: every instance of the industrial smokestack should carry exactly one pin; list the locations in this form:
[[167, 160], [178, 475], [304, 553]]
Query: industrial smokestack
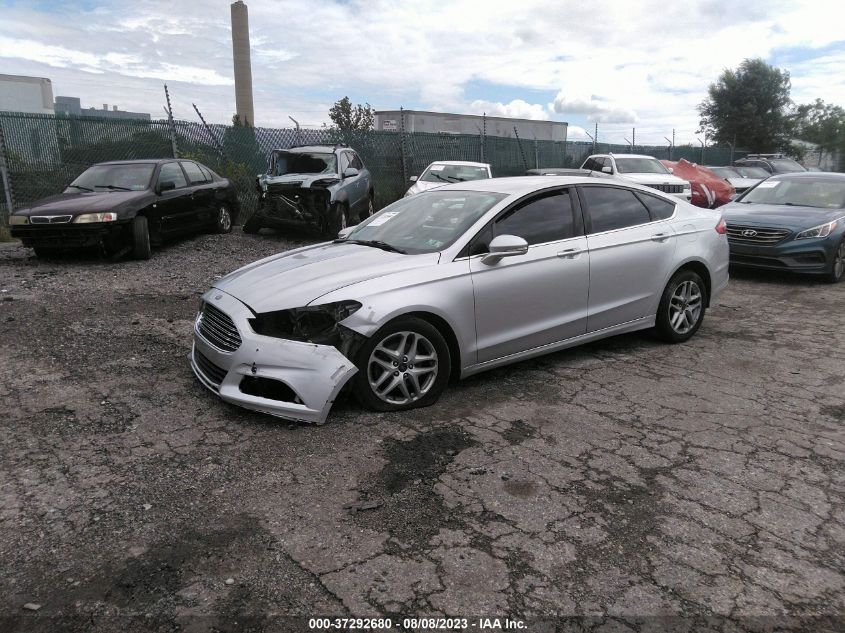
[[243, 67]]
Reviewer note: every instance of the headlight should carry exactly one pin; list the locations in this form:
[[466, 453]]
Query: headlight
[[85, 218], [17, 220], [314, 324], [822, 230]]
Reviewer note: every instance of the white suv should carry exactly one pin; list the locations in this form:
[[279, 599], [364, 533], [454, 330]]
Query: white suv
[[644, 170]]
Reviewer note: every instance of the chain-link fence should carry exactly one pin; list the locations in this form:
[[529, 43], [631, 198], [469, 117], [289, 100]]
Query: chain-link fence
[[43, 153]]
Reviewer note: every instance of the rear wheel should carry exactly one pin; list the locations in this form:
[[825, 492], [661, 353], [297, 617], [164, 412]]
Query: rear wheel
[[223, 223], [404, 365], [682, 307], [141, 238], [43, 252], [837, 268]]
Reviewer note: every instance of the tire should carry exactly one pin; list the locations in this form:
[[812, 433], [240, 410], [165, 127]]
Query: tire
[[223, 220], [338, 219], [837, 267], [681, 308], [45, 252], [252, 226], [419, 384], [141, 238], [371, 207]]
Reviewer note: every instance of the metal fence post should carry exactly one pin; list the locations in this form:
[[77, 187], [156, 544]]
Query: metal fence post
[[402, 145], [171, 124], [483, 134], [7, 181]]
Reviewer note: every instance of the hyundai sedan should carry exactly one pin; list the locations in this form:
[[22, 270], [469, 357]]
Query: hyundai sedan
[[791, 222], [451, 282]]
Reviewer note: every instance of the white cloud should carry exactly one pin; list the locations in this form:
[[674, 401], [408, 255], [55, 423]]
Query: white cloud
[[594, 109], [517, 109]]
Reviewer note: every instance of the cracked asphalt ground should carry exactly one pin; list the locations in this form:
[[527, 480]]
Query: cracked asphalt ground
[[642, 486]]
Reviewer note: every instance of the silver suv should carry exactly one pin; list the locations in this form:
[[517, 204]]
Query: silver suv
[[324, 186], [641, 169]]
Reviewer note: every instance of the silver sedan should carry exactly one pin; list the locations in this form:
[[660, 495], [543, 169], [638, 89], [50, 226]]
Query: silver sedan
[[452, 282]]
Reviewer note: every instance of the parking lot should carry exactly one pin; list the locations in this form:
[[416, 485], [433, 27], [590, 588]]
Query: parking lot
[[643, 486]]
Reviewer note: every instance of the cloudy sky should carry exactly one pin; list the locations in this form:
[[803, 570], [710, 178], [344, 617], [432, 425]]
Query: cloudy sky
[[621, 64]]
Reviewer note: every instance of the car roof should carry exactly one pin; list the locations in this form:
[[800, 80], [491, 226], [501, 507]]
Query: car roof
[[465, 163], [809, 174], [521, 185], [141, 161], [624, 156], [315, 149]]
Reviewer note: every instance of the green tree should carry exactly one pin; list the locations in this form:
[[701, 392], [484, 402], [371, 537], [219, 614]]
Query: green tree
[[749, 106], [348, 118], [821, 123]]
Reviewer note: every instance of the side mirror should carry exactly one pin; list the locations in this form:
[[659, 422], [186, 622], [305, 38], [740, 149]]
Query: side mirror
[[350, 171], [414, 178], [167, 185], [607, 170], [671, 170], [342, 234], [504, 246]]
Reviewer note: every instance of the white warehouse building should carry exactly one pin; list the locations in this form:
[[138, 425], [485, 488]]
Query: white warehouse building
[[445, 123], [19, 93]]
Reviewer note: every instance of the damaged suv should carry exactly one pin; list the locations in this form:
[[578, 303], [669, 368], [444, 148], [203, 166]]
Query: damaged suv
[[323, 186]]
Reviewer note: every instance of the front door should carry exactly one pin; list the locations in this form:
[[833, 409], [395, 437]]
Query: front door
[[631, 255], [527, 301]]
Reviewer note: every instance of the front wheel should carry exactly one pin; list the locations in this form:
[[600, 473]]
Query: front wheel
[[337, 221], [837, 268], [681, 308], [252, 226], [223, 222], [405, 365], [141, 238], [371, 207]]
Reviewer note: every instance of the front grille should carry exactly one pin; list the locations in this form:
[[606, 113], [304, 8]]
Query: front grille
[[759, 235], [50, 219], [211, 372], [668, 188], [284, 186], [217, 328]]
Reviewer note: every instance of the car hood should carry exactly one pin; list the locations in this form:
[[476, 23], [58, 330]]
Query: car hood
[[743, 183], [85, 202], [654, 179], [296, 278], [778, 215], [303, 180], [424, 185]]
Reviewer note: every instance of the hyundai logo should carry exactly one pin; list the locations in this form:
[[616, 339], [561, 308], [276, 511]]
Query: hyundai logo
[[749, 233]]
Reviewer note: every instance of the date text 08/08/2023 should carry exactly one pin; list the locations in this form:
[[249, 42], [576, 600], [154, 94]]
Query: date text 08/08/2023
[[427, 624]]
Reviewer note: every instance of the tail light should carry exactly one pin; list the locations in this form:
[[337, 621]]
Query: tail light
[[721, 227]]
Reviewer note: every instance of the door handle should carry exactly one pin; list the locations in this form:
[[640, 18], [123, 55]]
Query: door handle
[[660, 237], [570, 253]]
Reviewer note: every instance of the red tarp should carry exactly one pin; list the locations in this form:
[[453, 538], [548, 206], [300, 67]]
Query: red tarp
[[708, 190]]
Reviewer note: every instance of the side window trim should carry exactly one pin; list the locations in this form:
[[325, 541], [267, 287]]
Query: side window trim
[[588, 223]]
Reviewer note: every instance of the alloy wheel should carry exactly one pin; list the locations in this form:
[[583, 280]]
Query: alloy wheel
[[685, 307], [224, 219], [402, 368], [839, 261]]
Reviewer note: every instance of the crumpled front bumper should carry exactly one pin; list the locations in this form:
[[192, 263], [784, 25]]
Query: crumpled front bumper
[[313, 374]]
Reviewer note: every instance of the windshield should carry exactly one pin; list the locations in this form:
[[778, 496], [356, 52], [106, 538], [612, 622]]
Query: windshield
[[640, 166], [304, 163], [751, 172], [823, 193], [127, 177], [427, 222], [725, 172], [453, 173], [786, 166]]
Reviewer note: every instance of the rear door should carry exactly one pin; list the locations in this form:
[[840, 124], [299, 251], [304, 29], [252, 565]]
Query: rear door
[[527, 301], [202, 193], [175, 208], [631, 255]]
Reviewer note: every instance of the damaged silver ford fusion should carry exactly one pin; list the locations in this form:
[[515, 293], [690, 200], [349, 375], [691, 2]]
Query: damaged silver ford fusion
[[452, 282], [324, 186]]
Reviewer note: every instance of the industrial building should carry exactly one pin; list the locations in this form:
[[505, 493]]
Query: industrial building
[[445, 123], [73, 106], [19, 93]]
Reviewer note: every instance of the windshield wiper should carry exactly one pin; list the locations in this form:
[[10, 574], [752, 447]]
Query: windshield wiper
[[113, 187], [439, 177], [80, 187], [374, 243]]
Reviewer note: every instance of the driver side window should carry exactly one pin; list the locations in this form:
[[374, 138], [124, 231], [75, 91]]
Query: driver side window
[[173, 173]]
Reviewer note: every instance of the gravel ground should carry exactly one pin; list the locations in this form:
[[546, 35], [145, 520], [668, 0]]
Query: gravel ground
[[637, 485]]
